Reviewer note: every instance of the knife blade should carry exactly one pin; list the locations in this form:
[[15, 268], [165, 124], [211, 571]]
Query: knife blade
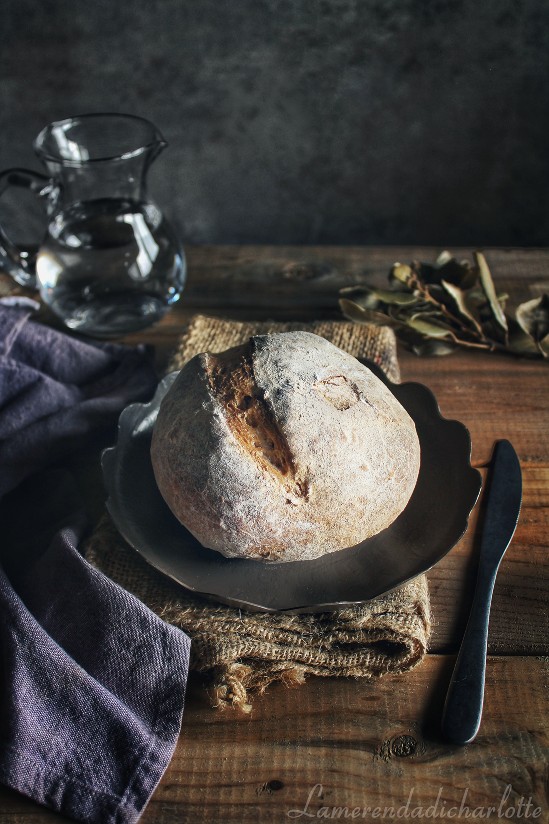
[[464, 700]]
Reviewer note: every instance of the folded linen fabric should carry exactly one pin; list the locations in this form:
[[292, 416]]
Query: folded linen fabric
[[56, 389], [93, 682], [241, 652]]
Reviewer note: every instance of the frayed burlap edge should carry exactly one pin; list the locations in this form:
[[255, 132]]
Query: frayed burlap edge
[[209, 334], [242, 653]]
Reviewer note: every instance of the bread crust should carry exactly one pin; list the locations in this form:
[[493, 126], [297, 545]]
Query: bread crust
[[283, 449]]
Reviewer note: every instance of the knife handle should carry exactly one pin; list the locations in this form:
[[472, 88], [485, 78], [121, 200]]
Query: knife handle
[[464, 700]]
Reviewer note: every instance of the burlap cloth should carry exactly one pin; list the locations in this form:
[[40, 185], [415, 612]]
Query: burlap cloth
[[242, 652]]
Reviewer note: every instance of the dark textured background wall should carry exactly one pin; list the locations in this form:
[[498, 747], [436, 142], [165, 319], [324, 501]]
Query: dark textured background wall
[[320, 121]]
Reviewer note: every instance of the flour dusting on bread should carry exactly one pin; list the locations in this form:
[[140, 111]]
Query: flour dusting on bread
[[284, 449]]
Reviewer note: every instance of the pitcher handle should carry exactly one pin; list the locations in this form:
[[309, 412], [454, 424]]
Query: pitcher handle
[[19, 261]]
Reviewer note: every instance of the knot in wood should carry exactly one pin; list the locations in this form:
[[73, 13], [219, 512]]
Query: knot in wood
[[403, 746]]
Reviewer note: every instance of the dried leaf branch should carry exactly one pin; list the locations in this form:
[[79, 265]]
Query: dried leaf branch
[[436, 308]]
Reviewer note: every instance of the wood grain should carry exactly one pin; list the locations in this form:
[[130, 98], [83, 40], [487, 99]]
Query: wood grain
[[366, 743], [294, 279], [494, 395], [372, 744], [519, 622]]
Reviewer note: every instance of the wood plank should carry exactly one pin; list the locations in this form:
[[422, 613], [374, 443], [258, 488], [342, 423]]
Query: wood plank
[[494, 395], [519, 622], [372, 744], [300, 280], [295, 277], [367, 744]]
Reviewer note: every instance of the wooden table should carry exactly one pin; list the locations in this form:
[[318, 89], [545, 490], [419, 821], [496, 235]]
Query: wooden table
[[338, 748]]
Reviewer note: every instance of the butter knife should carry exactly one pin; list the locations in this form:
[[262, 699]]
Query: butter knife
[[464, 700]]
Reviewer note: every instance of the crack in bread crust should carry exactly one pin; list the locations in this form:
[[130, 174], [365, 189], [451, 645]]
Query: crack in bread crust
[[232, 382]]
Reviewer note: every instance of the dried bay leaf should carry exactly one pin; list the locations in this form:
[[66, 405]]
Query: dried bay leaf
[[361, 314], [397, 298], [436, 308], [459, 273], [425, 272], [370, 297], [401, 273], [533, 317], [363, 297], [489, 290], [430, 327], [460, 299], [520, 342], [444, 258], [434, 348]]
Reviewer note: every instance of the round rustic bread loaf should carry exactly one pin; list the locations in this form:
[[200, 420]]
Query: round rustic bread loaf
[[283, 449]]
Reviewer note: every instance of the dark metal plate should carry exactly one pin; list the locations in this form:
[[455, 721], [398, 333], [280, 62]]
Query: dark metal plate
[[434, 520]]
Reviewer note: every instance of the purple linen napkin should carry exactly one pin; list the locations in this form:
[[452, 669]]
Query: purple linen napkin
[[92, 682], [55, 390]]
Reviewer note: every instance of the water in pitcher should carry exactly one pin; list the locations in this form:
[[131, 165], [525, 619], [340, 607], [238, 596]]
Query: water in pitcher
[[106, 265]]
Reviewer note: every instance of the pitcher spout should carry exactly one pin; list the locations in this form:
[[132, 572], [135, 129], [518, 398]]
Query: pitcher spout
[[98, 138], [94, 156], [157, 148]]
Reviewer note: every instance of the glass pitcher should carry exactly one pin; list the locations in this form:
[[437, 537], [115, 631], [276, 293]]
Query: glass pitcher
[[109, 263]]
